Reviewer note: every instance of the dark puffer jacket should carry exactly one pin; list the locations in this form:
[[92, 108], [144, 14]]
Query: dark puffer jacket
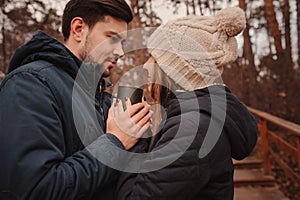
[[42, 155], [211, 120]]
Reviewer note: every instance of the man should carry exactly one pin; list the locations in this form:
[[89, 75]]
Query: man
[[43, 146]]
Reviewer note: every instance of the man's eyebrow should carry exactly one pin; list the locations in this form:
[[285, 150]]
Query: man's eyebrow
[[115, 34]]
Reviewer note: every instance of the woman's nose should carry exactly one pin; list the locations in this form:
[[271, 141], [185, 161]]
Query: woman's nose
[[145, 67]]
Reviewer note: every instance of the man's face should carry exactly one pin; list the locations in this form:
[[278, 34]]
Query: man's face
[[103, 43]]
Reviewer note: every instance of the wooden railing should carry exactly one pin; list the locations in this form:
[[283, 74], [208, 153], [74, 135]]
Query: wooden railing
[[266, 135]]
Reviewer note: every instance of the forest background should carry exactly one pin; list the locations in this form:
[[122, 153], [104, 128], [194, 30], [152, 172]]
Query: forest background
[[265, 76]]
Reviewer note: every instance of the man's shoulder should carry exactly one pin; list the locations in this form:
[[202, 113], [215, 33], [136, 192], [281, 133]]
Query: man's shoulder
[[33, 67], [38, 74], [39, 69]]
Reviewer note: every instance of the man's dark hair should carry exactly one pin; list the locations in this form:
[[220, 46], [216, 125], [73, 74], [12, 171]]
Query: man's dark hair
[[92, 11]]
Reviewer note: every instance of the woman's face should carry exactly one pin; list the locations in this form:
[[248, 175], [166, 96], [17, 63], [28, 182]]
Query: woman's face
[[149, 66]]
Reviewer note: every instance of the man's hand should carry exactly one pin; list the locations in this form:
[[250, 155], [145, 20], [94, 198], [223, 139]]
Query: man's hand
[[129, 125]]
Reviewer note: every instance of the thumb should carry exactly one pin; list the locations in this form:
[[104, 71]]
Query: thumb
[[128, 102]]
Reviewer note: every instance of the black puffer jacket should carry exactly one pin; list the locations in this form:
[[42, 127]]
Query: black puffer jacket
[[213, 126], [42, 156]]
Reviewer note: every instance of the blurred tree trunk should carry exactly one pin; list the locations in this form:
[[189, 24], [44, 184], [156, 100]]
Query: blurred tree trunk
[[187, 7], [194, 7], [137, 35], [288, 45], [4, 63], [289, 77], [298, 29], [200, 7], [273, 26], [247, 50], [3, 66], [213, 9], [152, 17], [248, 66]]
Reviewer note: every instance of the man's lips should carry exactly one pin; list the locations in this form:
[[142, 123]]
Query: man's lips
[[108, 64], [113, 62]]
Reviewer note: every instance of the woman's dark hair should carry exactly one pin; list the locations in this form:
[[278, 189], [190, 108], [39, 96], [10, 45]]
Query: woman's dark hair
[[92, 11]]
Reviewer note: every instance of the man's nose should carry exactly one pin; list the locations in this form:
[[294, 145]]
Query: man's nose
[[118, 51]]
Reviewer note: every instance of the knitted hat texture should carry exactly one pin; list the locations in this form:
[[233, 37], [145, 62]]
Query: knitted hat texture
[[193, 50]]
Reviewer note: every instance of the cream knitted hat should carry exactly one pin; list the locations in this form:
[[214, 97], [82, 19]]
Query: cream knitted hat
[[193, 50]]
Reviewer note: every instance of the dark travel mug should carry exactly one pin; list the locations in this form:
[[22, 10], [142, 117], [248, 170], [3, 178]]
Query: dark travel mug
[[134, 94]]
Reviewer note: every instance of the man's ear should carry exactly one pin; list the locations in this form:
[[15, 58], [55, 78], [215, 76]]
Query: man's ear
[[77, 29]]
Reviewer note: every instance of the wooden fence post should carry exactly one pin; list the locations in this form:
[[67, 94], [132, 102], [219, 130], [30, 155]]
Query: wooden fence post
[[265, 145], [298, 151]]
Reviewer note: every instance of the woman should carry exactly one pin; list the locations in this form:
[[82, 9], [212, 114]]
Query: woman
[[203, 122]]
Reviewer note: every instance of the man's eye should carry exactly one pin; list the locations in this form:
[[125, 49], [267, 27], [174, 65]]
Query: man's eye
[[114, 38]]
